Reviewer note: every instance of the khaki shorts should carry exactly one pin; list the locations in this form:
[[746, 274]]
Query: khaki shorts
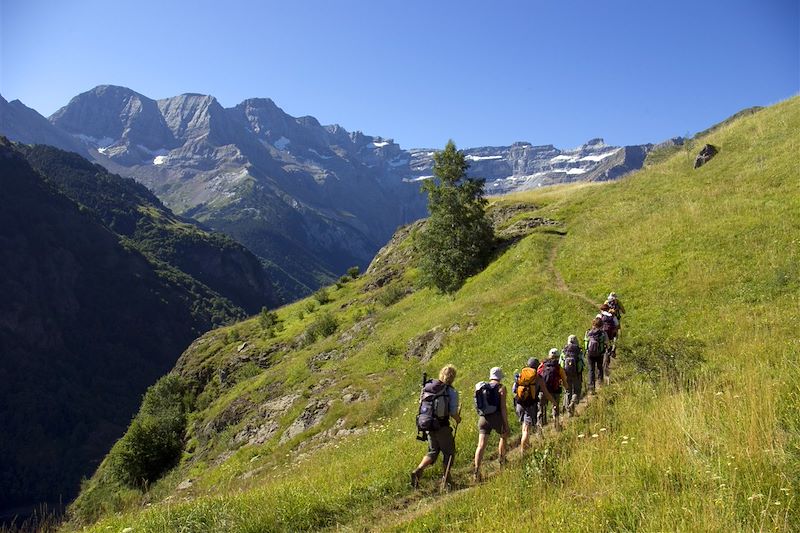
[[441, 440]]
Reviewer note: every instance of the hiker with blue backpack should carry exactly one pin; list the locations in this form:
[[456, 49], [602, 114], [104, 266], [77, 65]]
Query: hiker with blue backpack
[[490, 401], [554, 379], [527, 386], [572, 362], [438, 404]]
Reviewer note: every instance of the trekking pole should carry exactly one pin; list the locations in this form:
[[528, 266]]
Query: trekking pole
[[450, 460]]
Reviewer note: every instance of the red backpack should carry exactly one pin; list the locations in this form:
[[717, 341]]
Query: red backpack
[[550, 370]]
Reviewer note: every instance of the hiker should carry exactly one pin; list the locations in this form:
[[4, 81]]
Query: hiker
[[438, 404], [490, 401], [595, 341], [617, 309], [527, 386], [554, 379], [572, 362], [610, 321]]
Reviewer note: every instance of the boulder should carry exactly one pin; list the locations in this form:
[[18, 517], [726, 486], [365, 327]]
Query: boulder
[[705, 155]]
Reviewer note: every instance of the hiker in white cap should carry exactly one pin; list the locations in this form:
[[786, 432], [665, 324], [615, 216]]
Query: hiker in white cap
[[617, 309], [554, 379], [490, 401]]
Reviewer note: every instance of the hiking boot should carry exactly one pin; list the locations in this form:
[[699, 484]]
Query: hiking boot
[[415, 479], [476, 475], [502, 461]]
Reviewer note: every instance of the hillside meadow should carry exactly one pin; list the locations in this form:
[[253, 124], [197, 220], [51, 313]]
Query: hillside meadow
[[698, 431]]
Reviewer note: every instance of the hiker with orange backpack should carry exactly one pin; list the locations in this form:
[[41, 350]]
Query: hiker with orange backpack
[[490, 401], [527, 386], [595, 341], [572, 362], [554, 379], [438, 404]]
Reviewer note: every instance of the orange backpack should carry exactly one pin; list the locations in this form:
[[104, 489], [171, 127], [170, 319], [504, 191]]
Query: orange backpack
[[525, 388]]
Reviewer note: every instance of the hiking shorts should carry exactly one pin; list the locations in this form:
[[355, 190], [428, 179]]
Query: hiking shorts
[[441, 440], [489, 423], [527, 414]]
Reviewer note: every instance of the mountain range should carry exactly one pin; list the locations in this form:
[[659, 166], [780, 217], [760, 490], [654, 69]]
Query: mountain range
[[310, 200]]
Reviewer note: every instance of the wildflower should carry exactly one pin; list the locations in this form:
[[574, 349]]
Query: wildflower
[[602, 429], [624, 442], [581, 435], [595, 435], [755, 497]]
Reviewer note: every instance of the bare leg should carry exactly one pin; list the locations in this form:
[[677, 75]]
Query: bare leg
[[425, 463], [479, 454], [526, 431], [501, 449]]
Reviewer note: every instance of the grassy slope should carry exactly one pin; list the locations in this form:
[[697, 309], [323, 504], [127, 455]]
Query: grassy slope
[[707, 263]]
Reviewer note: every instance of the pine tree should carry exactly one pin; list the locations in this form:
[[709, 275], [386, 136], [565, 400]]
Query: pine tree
[[457, 238]]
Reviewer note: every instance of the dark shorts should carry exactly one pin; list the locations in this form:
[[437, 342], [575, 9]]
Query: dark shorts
[[441, 440], [492, 422], [527, 414]]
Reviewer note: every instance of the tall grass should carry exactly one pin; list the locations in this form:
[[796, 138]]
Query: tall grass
[[699, 430]]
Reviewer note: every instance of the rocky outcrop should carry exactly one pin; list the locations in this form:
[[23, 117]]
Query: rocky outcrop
[[705, 155]]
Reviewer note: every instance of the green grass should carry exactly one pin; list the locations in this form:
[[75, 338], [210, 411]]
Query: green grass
[[700, 430]]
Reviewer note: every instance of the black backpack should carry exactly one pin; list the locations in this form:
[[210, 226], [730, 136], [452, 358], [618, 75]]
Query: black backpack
[[571, 354], [594, 345], [434, 406], [487, 398]]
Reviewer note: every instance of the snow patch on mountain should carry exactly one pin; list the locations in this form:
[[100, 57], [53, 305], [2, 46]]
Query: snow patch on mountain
[[482, 157], [600, 157]]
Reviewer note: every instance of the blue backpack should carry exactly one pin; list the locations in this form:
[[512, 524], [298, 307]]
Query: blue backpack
[[487, 398]]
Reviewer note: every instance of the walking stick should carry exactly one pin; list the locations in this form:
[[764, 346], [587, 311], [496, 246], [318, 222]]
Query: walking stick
[[450, 460]]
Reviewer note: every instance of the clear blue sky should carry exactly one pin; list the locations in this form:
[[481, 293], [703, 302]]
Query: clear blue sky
[[479, 72]]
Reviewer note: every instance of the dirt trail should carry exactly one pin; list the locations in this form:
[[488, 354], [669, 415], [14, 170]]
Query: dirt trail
[[561, 285], [419, 502]]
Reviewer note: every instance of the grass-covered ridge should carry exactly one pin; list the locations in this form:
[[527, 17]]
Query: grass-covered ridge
[[700, 430]]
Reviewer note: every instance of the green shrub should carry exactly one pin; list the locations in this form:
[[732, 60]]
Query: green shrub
[[154, 441], [322, 296], [391, 294], [324, 326], [353, 272]]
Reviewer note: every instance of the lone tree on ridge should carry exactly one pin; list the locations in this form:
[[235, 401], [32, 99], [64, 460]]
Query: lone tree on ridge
[[457, 239]]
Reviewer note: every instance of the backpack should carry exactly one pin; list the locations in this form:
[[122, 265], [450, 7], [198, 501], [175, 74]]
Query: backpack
[[525, 387], [487, 398], [571, 362], [549, 370], [434, 406], [594, 344]]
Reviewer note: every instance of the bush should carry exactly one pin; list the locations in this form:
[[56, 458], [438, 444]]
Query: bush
[[391, 294], [324, 326], [353, 272], [322, 296], [342, 282], [154, 441]]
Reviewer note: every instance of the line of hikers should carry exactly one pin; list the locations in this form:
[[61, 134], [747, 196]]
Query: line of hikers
[[558, 380]]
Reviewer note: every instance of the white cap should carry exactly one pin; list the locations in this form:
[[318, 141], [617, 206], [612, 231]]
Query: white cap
[[553, 352], [612, 296], [496, 373], [572, 339]]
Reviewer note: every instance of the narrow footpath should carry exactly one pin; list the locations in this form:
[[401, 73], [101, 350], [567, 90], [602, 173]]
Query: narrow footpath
[[418, 502]]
